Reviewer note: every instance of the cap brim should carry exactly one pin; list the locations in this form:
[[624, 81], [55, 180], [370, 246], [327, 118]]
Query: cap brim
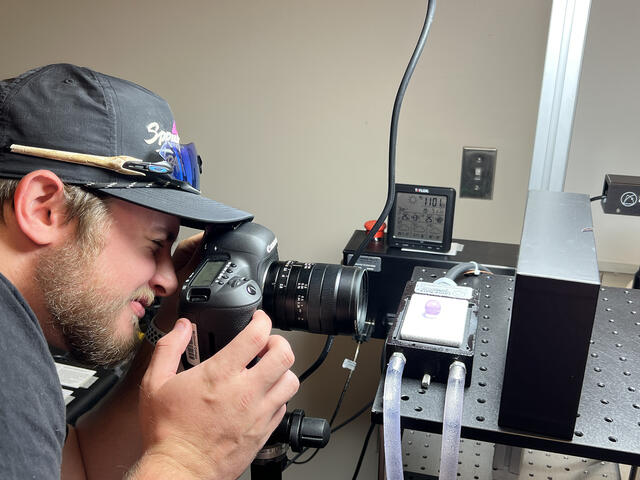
[[193, 210]]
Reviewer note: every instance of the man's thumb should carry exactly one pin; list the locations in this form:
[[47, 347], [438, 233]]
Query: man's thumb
[[166, 356]]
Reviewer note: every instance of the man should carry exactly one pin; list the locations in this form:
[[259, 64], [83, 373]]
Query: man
[[85, 246]]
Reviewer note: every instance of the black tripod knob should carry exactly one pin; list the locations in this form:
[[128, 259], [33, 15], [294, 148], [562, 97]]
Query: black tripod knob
[[300, 431]]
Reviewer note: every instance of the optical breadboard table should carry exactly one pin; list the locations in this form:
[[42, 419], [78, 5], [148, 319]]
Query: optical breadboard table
[[608, 423]]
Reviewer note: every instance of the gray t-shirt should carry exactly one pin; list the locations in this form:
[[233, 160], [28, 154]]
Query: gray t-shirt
[[32, 412]]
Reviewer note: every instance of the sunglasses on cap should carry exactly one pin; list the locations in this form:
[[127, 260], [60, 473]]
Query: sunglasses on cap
[[180, 165]]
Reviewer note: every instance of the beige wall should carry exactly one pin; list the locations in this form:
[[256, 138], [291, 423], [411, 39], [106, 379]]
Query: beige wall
[[289, 102], [607, 125]]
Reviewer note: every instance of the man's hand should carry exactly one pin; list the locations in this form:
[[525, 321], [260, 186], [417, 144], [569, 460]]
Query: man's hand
[[211, 420]]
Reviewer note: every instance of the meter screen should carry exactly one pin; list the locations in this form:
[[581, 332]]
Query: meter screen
[[208, 273], [420, 217]]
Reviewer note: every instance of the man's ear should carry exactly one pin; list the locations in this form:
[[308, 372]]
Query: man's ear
[[39, 206]]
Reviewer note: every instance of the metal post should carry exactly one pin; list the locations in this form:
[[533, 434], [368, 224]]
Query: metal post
[[563, 63]]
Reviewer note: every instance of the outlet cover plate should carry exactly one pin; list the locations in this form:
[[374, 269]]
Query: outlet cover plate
[[478, 172]]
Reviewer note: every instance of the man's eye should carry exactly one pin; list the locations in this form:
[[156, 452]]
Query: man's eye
[[157, 245]]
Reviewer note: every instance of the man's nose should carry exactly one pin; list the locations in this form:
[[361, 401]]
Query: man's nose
[[164, 282]]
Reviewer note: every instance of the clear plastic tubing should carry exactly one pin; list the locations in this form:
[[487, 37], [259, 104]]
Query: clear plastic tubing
[[452, 421], [391, 417]]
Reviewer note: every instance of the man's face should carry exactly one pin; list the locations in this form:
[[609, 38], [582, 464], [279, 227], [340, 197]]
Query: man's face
[[96, 302]]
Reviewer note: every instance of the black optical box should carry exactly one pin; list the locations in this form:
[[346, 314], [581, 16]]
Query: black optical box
[[554, 303]]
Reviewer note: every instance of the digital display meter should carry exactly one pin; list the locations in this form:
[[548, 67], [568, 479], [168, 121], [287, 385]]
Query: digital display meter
[[422, 218], [208, 273]]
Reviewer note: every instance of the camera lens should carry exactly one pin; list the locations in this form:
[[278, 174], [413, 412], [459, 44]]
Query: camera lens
[[316, 297]]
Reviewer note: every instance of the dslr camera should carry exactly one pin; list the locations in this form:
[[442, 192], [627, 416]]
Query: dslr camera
[[240, 272]]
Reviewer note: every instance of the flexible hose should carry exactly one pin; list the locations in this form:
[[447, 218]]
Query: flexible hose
[[452, 421], [391, 417], [454, 272]]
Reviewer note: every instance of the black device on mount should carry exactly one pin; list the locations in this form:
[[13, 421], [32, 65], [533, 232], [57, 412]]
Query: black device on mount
[[239, 273], [422, 218]]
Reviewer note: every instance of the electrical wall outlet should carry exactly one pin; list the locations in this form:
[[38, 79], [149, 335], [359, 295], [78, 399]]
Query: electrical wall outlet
[[478, 171]]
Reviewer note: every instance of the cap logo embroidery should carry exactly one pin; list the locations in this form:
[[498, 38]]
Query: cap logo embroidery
[[161, 136]]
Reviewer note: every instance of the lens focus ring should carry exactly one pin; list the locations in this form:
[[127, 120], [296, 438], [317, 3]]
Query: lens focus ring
[[319, 298]]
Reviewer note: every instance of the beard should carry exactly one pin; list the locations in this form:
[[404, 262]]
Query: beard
[[84, 309]]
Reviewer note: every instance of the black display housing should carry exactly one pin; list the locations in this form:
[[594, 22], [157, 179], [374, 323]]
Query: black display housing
[[429, 222]]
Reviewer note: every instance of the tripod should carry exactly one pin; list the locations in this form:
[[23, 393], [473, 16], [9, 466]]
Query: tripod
[[294, 430]]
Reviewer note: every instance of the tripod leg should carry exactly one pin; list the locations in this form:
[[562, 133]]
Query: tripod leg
[[270, 469]]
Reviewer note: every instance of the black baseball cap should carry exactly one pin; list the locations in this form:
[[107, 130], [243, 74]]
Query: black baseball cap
[[69, 109]]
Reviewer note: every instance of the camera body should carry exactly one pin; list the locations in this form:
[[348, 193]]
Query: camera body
[[223, 292], [240, 272]]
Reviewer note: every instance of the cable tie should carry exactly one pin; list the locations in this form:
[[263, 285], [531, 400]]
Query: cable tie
[[446, 281], [349, 364], [476, 272]]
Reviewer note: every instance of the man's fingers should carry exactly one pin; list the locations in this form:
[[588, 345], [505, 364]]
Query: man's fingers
[[166, 356], [187, 253], [276, 358], [274, 421], [284, 389], [247, 344]]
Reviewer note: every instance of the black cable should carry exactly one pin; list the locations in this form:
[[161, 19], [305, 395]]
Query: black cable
[[394, 132], [352, 417], [333, 417], [599, 197], [363, 451], [323, 354], [346, 384], [293, 460], [393, 135]]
